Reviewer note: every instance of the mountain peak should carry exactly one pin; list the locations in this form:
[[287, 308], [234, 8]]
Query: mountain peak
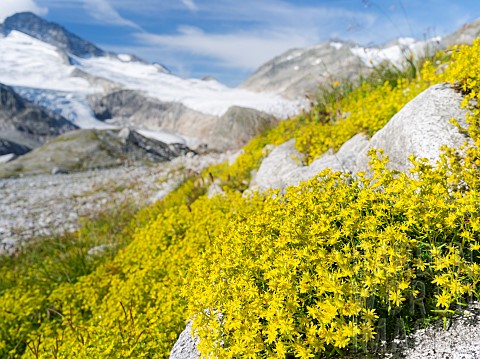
[[49, 32]]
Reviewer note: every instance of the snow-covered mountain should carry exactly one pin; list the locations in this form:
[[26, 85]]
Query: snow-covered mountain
[[34, 26], [24, 126], [95, 89], [54, 68], [301, 71]]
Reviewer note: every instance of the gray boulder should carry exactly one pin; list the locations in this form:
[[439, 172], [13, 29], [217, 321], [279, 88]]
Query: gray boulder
[[186, 345], [420, 128], [278, 168], [8, 147], [283, 166], [344, 160]]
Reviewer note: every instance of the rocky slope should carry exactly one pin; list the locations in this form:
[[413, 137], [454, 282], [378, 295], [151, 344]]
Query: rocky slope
[[465, 35], [92, 149], [50, 204], [231, 131], [25, 125], [300, 71]]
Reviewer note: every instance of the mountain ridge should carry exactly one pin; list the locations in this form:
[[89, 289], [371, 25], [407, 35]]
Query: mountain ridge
[[52, 33], [302, 70]]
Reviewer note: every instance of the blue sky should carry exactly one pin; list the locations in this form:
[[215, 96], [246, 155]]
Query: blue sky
[[229, 39]]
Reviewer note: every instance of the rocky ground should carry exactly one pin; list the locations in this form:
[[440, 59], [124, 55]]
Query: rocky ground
[[46, 204]]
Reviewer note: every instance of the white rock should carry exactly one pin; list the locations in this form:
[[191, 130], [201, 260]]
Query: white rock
[[277, 168], [186, 345], [8, 157], [215, 189], [282, 168], [420, 128]]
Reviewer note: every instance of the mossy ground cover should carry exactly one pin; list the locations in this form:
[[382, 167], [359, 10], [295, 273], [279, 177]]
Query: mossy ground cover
[[332, 265]]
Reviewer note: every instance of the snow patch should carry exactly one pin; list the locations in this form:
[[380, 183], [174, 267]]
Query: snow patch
[[30, 63], [293, 55], [8, 157], [125, 57], [395, 54], [209, 97], [336, 45], [163, 136]]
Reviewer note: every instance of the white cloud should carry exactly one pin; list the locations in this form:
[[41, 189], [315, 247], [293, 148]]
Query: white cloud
[[10, 7], [103, 11], [190, 4], [253, 32], [242, 50]]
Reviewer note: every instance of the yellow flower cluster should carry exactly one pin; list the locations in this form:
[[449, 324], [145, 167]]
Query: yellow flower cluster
[[273, 275], [312, 269], [365, 110]]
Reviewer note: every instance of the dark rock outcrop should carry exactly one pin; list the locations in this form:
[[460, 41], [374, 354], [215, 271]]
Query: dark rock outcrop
[[7, 147], [26, 124], [92, 149]]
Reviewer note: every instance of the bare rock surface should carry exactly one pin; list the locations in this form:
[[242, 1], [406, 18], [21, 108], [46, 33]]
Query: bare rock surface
[[231, 131], [46, 204], [420, 128], [277, 168], [283, 166], [134, 108], [465, 35], [460, 339], [186, 345], [26, 125]]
